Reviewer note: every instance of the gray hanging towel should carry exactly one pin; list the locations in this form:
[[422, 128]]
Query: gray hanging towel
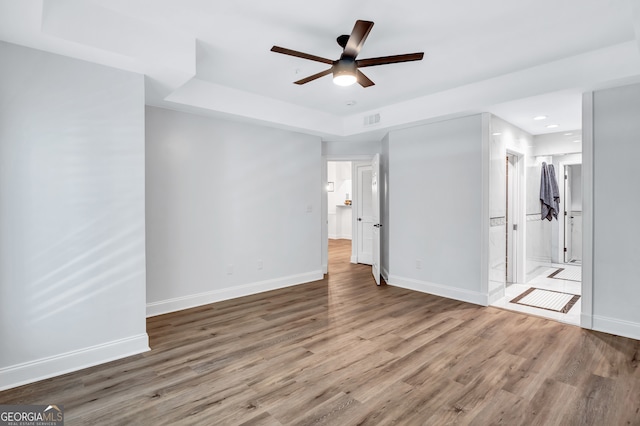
[[549, 193]]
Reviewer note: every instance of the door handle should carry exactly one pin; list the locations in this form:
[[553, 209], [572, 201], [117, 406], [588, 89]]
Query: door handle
[[378, 225]]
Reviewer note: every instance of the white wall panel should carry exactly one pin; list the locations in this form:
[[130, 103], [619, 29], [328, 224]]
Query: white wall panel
[[223, 197], [72, 226]]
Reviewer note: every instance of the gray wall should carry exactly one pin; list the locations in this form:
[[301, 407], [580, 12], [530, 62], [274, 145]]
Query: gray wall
[[616, 204], [345, 148], [435, 210], [223, 197], [72, 231]]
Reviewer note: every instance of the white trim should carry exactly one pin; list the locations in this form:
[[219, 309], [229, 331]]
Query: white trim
[[354, 157], [520, 212], [191, 301], [324, 215], [439, 290], [576, 159], [616, 326], [385, 274], [485, 220], [339, 237], [357, 209], [586, 317], [44, 368], [497, 294]]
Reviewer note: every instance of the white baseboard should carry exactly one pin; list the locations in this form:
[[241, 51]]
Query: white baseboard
[[496, 294], [617, 326], [191, 301], [385, 274], [439, 290], [44, 368], [586, 321]]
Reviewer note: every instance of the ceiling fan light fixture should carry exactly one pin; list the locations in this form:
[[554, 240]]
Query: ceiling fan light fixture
[[344, 73], [344, 79]]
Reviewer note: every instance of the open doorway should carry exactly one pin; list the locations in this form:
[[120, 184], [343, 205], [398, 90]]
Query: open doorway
[[547, 281], [351, 222], [339, 200]]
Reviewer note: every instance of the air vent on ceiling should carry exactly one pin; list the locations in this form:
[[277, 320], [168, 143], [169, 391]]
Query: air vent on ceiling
[[370, 120]]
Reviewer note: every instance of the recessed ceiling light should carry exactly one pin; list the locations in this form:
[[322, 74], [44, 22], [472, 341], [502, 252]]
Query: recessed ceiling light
[[577, 141], [496, 134], [540, 117], [552, 126], [568, 134], [351, 103]]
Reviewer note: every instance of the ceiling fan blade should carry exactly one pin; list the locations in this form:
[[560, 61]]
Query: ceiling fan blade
[[315, 76], [303, 55], [363, 80], [357, 38], [383, 60]]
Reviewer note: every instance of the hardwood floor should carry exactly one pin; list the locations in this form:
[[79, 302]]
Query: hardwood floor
[[343, 351]]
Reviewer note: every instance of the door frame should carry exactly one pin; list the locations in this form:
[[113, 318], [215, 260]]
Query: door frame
[[324, 203], [520, 215], [561, 189], [356, 204]]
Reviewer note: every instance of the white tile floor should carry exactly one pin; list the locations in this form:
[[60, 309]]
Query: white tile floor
[[542, 281]]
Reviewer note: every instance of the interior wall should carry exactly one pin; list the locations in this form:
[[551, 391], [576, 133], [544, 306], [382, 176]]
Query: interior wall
[[351, 148], [558, 143], [232, 209], [436, 209], [72, 226], [616, 201]]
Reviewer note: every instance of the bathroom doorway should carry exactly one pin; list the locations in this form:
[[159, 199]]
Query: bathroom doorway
[[547, 280]]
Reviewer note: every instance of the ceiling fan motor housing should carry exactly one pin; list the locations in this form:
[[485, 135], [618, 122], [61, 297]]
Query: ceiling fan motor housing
[[344, 71]]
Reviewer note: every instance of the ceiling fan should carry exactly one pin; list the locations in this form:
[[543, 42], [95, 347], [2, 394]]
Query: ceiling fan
[[346, 69]]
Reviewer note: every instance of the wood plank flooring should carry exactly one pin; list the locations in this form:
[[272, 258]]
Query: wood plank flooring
[[343, 351]]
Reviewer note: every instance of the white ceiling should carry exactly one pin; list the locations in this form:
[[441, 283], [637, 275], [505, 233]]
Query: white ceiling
[[516, 59]]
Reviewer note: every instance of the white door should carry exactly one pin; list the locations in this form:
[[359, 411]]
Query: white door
[[364, 211], [375, 201], [568, 215]]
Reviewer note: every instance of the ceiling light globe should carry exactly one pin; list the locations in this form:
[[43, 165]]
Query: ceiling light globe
[[344, 79]]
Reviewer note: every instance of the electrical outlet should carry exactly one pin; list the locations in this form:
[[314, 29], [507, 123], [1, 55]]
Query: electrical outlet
[[418, 264], [230, 269], [260, 264]]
